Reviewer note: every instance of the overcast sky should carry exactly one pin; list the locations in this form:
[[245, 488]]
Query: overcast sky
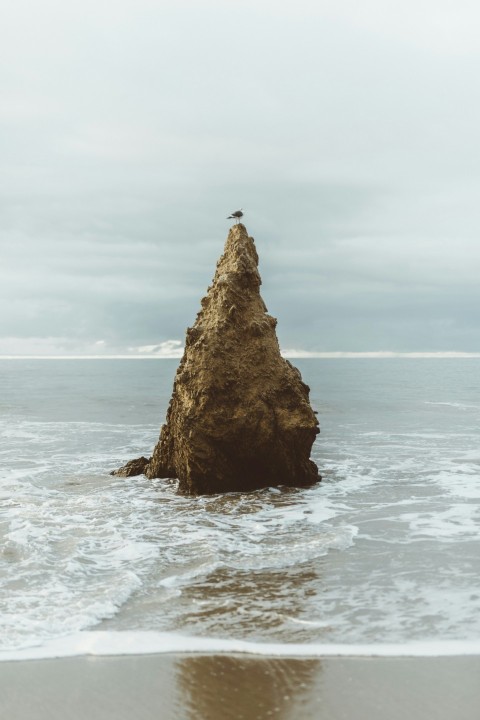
[[349, 132]]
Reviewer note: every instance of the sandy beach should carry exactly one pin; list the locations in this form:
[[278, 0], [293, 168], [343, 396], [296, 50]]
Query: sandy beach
[[223, 687]]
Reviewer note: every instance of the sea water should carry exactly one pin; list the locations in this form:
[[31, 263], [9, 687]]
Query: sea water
[[384, 552]]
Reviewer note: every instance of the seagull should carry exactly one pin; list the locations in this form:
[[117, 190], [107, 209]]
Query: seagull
[[236, 215]]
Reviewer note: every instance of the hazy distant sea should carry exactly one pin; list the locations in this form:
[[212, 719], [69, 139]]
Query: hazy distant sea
[[385, 550]]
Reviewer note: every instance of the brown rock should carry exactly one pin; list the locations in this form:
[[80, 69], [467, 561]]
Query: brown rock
[[239, 417], [133, 467]]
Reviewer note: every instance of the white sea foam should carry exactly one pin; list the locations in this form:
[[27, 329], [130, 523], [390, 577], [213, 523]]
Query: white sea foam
[[105, 644], [458, 521], [87, 548], [463, 482], [456, 405], [382, 553]]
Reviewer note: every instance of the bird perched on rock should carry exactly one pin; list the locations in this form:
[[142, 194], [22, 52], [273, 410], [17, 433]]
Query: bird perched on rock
[[236, 215]]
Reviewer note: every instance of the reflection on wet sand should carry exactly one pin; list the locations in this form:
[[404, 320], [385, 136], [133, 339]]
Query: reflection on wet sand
[[267, 604], [220, 687], [240, 687], [251, 688]]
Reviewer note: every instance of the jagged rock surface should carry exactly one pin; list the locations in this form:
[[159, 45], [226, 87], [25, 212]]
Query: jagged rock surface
[[239, 417], [133, 467]]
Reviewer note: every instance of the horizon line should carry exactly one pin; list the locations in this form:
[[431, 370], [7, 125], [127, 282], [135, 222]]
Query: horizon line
[[289, 353]]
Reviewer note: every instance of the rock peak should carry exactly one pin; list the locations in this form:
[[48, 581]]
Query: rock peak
[[239, 417]]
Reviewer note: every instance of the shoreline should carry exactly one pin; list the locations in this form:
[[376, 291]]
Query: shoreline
[[125, 643], [234, 687], [287, 354]]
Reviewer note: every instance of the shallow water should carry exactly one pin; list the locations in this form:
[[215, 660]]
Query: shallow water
[[384, 550]]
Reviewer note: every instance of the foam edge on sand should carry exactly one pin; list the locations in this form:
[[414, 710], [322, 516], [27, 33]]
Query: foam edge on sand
[[102, 644]]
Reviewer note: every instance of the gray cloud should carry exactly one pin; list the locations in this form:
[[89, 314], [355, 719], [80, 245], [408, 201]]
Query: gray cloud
[[349, 134]]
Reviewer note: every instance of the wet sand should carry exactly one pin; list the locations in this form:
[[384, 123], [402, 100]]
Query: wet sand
[[228, 687]]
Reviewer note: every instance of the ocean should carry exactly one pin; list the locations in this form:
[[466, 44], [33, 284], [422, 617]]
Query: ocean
[[384, 552]]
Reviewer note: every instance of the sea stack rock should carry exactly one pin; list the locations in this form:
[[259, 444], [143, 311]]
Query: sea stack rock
[[239, 417]]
